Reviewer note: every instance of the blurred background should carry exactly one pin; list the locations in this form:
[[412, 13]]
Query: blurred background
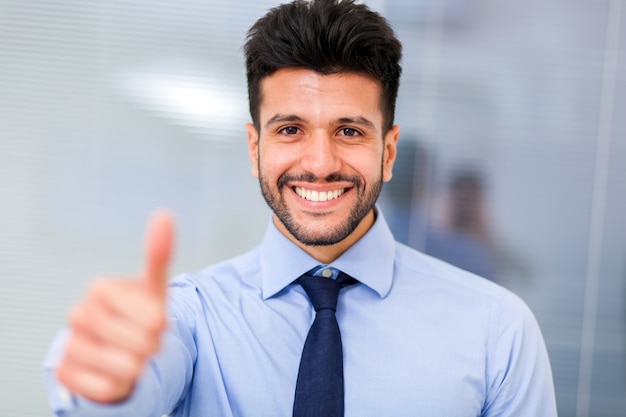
[[512, 164]]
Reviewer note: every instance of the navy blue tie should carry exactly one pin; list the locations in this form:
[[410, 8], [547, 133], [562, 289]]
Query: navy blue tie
[[319, 388]]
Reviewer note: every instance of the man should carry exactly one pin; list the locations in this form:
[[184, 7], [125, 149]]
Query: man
[[419, 337]]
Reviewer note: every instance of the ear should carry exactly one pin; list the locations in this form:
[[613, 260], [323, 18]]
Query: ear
[[253, 148], [390, 152]]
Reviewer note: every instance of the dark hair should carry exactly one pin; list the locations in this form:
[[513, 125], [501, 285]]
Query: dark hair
[[326, 36]]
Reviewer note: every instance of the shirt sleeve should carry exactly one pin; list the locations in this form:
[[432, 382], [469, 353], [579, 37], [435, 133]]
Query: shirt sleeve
[[519, 375], [164, 382]]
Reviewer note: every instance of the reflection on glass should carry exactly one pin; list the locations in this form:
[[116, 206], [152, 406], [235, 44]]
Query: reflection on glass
[[452, 223]]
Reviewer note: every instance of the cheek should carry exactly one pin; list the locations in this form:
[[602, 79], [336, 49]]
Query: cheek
[[369, 165], [274, 161]]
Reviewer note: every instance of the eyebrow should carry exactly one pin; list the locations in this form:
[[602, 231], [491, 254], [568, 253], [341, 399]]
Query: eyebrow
[[358, 121], [281, 118]]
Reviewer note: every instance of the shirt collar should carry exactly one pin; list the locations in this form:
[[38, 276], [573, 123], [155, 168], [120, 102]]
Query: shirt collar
[[370, 260]]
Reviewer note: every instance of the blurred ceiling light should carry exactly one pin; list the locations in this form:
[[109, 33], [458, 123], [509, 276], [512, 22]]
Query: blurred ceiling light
[[204, 104]]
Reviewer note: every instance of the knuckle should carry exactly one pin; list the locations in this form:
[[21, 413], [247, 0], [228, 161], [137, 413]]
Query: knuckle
[[128, 368], [109, 388], [75, 317], [72, 347], [83, 320], [64, 374], [146, 346]]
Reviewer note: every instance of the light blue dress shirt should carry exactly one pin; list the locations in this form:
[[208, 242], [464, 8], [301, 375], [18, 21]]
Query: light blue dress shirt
[[420, 338]]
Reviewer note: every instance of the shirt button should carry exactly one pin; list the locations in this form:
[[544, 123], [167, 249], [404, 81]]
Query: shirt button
[[327, 273]]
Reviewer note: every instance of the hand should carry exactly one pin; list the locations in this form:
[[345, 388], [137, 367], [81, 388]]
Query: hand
[[118, 324]]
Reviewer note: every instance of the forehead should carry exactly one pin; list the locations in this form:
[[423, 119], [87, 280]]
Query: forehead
[[312, 94]]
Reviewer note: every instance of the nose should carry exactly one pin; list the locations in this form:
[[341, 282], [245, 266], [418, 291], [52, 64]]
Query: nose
[[321, 155]]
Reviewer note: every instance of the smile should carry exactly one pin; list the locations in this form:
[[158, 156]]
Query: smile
[[313, 195]]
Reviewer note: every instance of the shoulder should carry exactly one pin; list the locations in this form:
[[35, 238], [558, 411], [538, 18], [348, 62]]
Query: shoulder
[[447, 287], [416, 266], [511, 325], [481, 316]]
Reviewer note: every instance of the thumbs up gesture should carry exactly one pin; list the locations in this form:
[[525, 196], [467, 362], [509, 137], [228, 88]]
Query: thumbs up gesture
[[117, 326]]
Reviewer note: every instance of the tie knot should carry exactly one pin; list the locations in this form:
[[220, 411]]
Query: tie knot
[[323, 292]]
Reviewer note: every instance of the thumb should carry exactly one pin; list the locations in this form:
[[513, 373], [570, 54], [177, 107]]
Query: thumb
[[159, 247]]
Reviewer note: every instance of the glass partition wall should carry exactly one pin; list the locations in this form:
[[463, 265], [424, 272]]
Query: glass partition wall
[[512, 161]]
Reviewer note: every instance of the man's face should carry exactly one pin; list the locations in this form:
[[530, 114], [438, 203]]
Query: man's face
[[320, 155]]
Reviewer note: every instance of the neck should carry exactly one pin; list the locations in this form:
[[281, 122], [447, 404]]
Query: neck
[[328, 253]]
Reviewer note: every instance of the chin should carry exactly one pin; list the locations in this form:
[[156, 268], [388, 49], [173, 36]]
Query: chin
[[320, 236]]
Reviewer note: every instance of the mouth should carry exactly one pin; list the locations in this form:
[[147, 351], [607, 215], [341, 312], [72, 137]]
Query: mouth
[[314, 195]]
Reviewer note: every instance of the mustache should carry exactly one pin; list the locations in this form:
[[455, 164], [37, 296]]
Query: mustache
[[312, 178]]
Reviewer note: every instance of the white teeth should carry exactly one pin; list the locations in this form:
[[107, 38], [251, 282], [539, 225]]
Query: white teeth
[[313, 195]]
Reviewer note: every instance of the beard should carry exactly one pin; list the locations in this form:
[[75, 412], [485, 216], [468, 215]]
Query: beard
[[366, 200]]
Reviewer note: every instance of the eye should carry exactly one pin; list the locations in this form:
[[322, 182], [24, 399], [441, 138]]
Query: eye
[[348, 131], [289, 130]]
